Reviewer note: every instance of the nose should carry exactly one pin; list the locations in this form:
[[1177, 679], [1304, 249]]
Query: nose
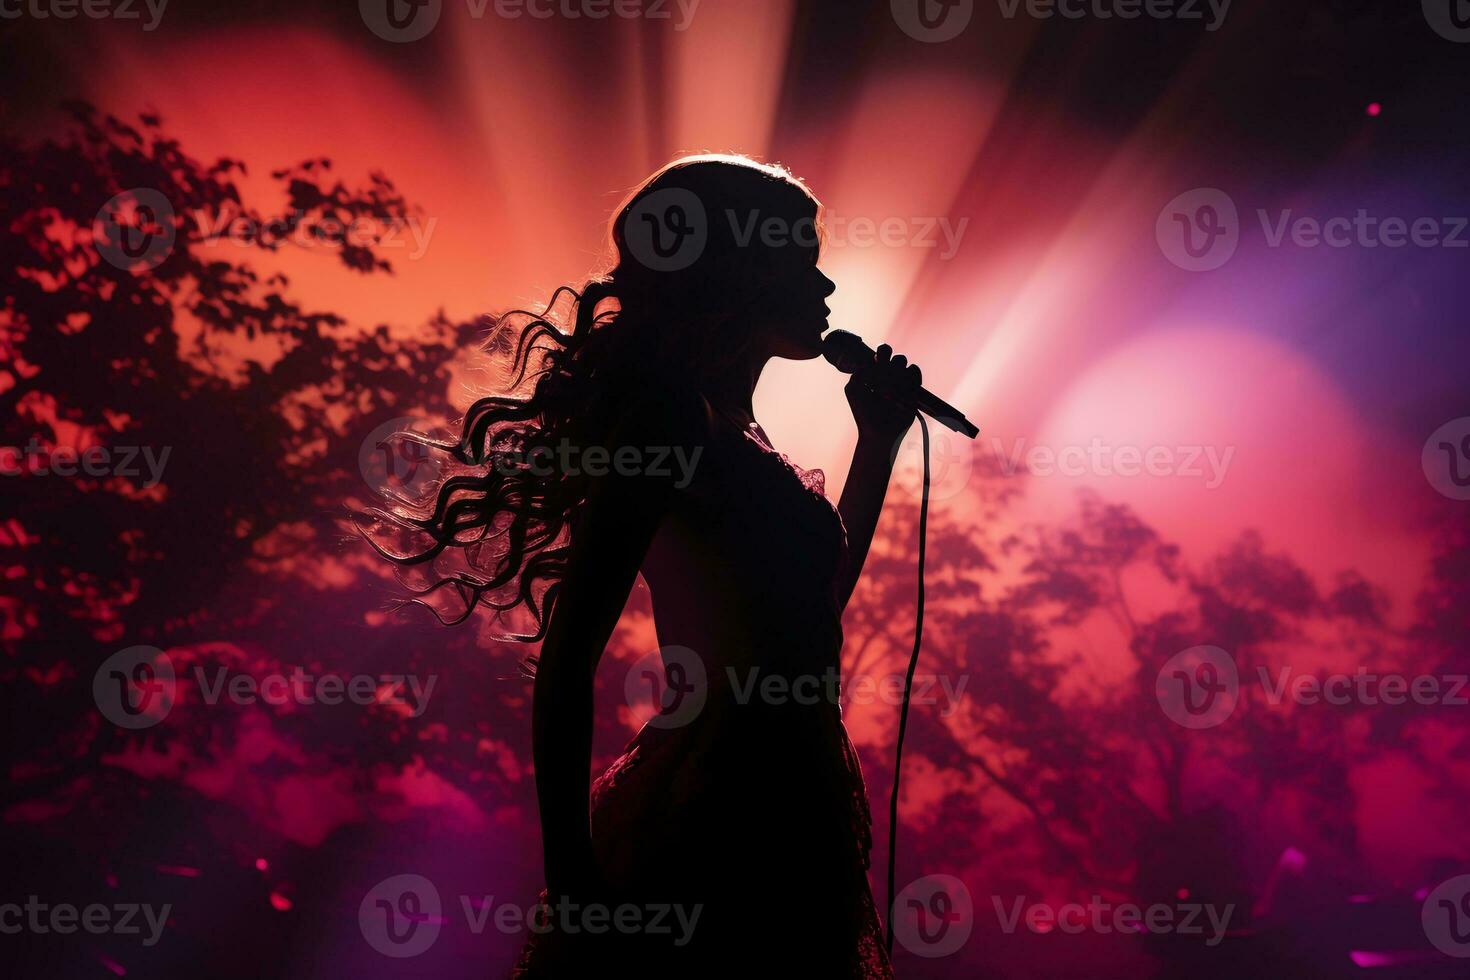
[[830, 287]]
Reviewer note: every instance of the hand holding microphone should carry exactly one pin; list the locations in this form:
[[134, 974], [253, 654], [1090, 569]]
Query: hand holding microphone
[[886, 390]]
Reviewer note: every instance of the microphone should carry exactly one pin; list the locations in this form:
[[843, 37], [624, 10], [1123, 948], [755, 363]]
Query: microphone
[[848, 354]]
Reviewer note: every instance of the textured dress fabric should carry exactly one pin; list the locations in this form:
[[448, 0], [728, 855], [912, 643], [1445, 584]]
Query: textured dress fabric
[[753, 810]]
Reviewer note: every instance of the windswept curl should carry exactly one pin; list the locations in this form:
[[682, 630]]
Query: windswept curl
[[493, 531]]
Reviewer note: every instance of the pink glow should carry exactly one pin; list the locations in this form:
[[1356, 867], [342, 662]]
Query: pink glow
[[1368, 960], [180, 870]]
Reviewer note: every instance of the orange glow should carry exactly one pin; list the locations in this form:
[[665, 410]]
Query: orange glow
[[521, 139]]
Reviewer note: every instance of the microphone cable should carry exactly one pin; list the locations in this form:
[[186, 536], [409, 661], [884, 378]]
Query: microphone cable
[[908, 683]]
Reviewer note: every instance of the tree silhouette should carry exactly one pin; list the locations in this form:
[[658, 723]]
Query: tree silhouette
[[1060, 773]]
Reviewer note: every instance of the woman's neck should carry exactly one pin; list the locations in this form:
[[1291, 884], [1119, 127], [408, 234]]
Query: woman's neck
[[733, 394]]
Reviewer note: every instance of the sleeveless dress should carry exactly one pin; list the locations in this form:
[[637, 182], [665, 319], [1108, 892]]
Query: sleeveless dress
[[754, 811]]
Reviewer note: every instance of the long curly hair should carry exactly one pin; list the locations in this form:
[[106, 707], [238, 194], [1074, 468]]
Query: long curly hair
[[691, 273]]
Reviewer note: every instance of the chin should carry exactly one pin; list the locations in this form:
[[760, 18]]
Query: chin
[[801, 350], [803, 341], [816, 339]]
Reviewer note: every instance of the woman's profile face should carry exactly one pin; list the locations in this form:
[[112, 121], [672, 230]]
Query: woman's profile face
[[794, 309]]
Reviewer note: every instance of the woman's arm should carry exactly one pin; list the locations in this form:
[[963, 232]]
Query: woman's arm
[[876, 396], [861, 503], [622, 513], [609, 545]]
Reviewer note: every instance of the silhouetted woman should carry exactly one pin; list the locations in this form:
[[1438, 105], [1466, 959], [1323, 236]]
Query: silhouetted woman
[[743, 802]]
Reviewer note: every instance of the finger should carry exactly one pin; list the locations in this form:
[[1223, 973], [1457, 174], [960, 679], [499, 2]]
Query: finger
[[883, 353], [898, 363], [913, 376]]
